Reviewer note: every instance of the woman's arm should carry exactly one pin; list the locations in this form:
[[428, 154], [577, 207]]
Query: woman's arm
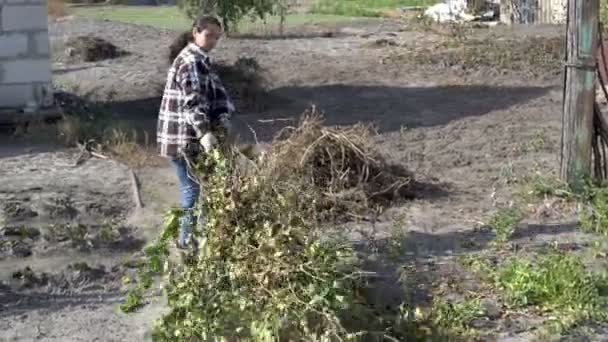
[[194, 79]]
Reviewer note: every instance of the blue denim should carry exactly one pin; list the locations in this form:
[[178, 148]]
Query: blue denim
[[190, 191]]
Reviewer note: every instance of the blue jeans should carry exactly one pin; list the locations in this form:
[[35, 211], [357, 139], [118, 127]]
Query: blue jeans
[[190, 191]]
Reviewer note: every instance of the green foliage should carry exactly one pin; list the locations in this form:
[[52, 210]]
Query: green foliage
[[232, 11], [478, 264], [443, 321], [134, 300], [556, 283], [504, 223], [456, 318], [594, 216], [261, 273], [593, 200], [364, 8], [157, 256], [539, 185]]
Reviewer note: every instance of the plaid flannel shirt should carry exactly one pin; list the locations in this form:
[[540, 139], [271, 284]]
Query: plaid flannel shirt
[[194, 102]]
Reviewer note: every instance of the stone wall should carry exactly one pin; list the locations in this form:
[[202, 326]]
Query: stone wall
[[25, 65]]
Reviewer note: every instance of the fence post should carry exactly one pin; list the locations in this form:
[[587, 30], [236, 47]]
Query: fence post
[[579, 91]]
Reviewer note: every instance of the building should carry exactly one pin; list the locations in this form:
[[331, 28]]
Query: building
[[25, 64], [533, 11]]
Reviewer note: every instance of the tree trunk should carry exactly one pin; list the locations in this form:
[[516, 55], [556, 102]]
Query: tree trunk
[[579, 91]]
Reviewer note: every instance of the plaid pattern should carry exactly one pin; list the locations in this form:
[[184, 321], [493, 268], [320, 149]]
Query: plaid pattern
[[194, 102]]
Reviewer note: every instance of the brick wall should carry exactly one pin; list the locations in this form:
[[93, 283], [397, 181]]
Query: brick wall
[[25, 66]]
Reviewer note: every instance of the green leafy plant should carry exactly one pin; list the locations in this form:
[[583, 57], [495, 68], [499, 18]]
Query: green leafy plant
[[264, 269], [539, 185], [592, 200], [156, 257], [594, 213], [261, 272], [504, 223], [443, 321], [456, 318], [556, 283], [231, 11]]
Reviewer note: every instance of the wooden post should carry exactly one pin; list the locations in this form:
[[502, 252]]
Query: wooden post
[[579, 91]]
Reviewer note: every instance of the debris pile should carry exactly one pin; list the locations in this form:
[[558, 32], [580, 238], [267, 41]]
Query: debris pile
[[463, 11], [91, 49], [264, 268], [339, 166]]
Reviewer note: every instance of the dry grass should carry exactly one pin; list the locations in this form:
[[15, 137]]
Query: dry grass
[[535, 55], [57, 8], [112, 140]]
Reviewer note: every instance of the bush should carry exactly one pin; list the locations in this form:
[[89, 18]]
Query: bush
[[232, 11], [57, 8], [556, 283], [594, 215]]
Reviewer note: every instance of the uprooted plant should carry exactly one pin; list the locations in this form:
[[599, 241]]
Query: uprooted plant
[[263, 270]]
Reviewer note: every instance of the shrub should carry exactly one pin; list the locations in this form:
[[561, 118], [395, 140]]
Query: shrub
[[232, 11], [556, 283], [57, 8]]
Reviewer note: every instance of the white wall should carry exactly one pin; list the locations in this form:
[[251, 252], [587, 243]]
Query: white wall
[[25, 66]]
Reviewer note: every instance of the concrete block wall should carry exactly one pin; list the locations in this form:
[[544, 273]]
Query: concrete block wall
[[25, 64]]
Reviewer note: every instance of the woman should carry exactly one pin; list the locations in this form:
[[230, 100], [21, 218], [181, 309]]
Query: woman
[[195, 108]]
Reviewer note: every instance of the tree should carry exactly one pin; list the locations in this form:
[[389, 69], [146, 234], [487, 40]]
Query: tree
[[232, 11]]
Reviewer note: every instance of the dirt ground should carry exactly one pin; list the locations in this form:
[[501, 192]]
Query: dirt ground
[[468, 134]]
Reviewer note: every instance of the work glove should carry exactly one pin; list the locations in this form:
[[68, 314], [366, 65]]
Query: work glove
[[208, 142]]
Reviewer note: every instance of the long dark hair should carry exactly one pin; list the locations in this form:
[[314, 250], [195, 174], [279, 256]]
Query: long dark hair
[[180, 42]]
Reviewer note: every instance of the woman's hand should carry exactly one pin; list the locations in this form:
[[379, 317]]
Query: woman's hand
[[208, 142]]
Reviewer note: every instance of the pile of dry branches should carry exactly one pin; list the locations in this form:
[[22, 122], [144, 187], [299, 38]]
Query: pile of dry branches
[[337, 168], [91, 49]]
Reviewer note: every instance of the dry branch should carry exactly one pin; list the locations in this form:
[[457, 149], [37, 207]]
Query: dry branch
[[339, 167], [135, 189]]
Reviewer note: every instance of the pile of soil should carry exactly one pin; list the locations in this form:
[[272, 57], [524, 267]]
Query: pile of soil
[[92, 49]]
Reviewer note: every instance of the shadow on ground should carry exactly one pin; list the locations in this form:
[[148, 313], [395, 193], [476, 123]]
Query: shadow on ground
[[407, 269], [17, 303], [416, 244], [389, 108]]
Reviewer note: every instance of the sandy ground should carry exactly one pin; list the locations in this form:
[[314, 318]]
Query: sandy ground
[[466, 134]]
